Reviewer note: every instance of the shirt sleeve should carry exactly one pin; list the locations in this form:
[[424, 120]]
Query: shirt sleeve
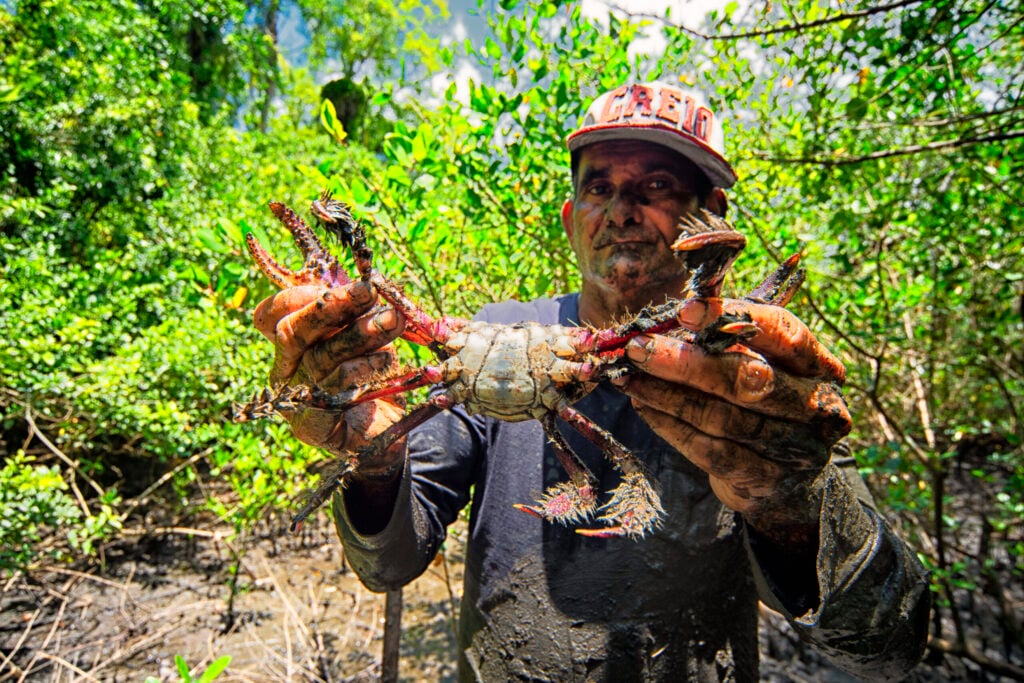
[[442, 461], [869, 614]]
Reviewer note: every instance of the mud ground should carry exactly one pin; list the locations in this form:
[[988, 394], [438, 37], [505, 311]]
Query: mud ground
[[285, 608], [296, 612]]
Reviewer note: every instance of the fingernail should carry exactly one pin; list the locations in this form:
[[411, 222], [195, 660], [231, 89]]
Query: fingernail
[[754, 382], [385, 320], [360, 292], [640, 349], [692, 313]]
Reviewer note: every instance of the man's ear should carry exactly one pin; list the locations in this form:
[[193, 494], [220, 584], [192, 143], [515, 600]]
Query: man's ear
[[567, 218], [717, 203]]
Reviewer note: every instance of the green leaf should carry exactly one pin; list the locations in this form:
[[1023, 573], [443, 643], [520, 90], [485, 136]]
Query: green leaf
[[492, 48], [856, 108], [215, 669], [329, 120], [183, 671], [212, 240]]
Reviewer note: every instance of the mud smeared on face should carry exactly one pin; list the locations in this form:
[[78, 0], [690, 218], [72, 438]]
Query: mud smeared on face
[[622, 222]]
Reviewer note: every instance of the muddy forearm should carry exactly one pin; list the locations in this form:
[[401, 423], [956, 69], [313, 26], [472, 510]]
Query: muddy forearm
[[392, 540], [868, 610], [387, 546]]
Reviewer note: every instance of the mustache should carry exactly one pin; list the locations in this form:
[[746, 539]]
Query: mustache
[[619, 236]]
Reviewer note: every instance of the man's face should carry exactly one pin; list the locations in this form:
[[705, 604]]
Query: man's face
[[628, 199]]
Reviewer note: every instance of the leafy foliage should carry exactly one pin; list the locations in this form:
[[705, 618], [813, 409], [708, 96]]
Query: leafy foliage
[[125, 195], [37, 506]]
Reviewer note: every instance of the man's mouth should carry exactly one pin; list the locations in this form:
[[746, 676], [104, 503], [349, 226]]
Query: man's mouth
[[613, 242]]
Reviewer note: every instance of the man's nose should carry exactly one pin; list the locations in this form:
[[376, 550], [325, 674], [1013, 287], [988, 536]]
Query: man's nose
[[623, 209]]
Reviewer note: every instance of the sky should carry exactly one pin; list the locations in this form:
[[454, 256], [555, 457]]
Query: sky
[[469, 21]]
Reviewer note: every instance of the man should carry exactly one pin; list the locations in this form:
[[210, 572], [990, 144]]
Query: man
[[742, 444]]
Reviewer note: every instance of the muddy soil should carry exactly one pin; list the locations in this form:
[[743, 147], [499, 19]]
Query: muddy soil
[[285, 608], [296, 613]]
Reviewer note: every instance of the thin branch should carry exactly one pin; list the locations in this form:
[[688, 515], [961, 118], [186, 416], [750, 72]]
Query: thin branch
[[920, 394], [970, 653], [139, 499], [70, 463], [81, 675], [185, 531], [795, 27], [902, 151], [940, 122]]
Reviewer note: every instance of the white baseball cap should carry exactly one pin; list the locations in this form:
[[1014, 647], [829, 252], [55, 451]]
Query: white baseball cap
[[664, 114]]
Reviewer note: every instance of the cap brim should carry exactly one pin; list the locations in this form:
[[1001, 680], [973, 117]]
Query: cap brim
[[708, 160]]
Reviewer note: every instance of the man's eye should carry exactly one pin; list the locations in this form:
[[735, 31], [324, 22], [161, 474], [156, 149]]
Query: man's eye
[[658, 184], [599, 189]]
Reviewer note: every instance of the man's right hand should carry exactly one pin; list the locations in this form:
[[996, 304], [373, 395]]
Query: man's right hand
[[335, 339]]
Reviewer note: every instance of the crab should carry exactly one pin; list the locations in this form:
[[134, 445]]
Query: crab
[[516, 372]]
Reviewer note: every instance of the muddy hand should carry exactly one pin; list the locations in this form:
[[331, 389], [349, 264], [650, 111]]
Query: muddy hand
[[332, 339], [760, 418]]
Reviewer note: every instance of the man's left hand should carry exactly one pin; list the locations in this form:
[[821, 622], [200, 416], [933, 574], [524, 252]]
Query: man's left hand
[[760, 418]]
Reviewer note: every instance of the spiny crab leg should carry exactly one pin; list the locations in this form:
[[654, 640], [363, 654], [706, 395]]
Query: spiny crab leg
[[288, 398], [565, 502], [635, 506], [420, 328], [319, 266], [428, 375]]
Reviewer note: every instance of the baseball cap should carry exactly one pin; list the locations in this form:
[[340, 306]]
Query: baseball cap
[[664, 114]]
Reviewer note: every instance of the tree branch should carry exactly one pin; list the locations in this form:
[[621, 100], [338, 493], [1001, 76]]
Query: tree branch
[[970, 653], [898, 152], [795, 27], [941, 122]]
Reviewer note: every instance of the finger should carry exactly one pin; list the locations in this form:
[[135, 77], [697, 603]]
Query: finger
[[745, 379], [800, 444], [741, 467], [366, 334], [295, 333], [270, 311], [341, 432], [781, 336], [356, 371], [340, 303], [740, 376]]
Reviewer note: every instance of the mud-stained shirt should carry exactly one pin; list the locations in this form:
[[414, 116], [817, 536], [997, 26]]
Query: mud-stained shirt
[[542, 603]]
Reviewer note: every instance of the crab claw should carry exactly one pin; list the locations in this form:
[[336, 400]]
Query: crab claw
[[727, 330], [740, 328], [336, 218], [530, 510], [604, 532], [319, 266], [563, 503], [781, 286], [707, 246]]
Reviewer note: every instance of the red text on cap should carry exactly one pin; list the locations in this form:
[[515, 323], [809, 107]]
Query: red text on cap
[[629, 101]]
